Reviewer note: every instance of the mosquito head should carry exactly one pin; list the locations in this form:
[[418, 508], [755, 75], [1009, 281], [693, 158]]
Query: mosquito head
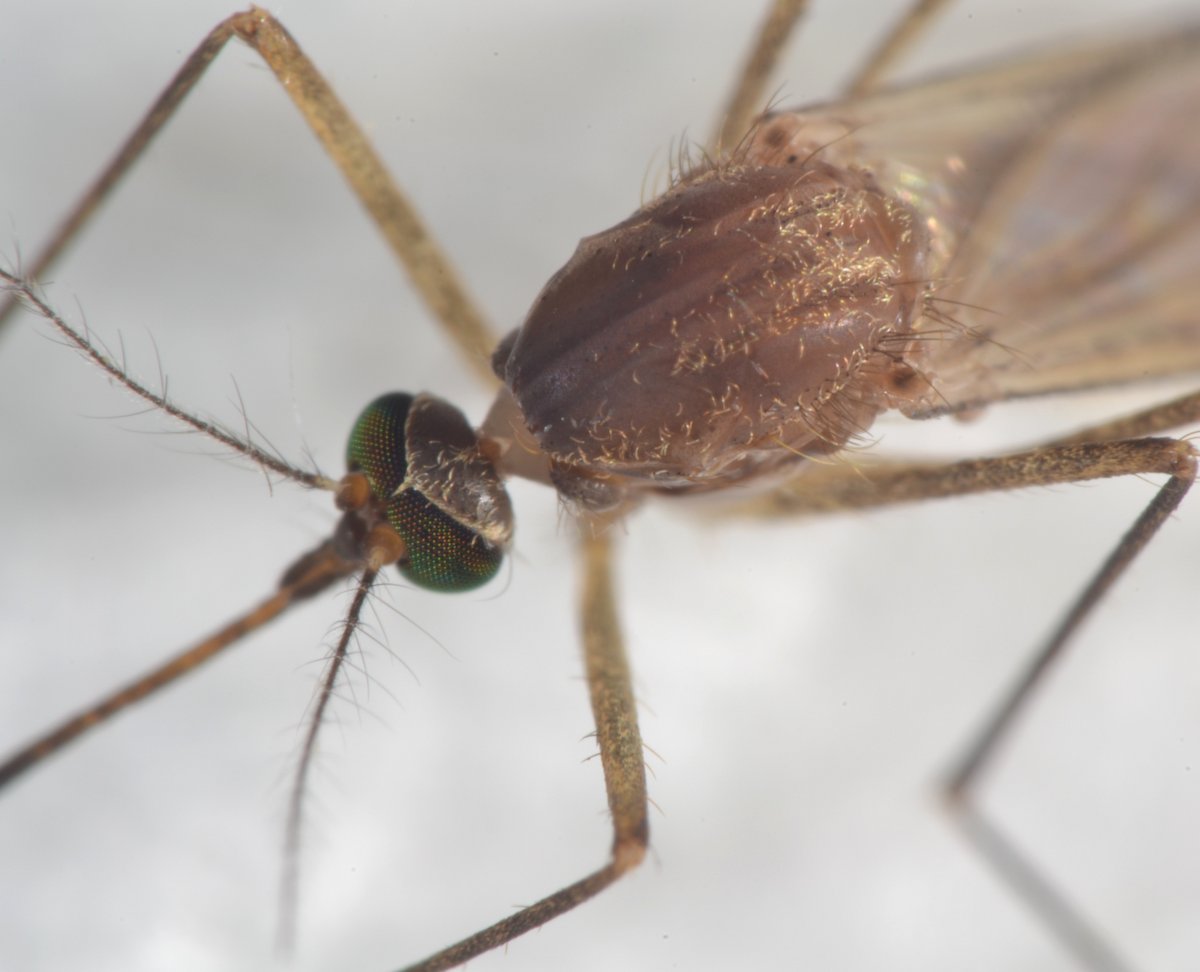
[[418, 473]]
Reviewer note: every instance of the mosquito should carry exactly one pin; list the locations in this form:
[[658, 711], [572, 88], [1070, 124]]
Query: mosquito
[[200, 751]]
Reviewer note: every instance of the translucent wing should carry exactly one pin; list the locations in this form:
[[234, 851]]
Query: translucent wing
[[1062, 195]]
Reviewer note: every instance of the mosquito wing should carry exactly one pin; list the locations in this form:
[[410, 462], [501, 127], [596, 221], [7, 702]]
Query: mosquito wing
[[1062, 197]]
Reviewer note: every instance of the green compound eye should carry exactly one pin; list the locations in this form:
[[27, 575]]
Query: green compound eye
[[443, 553]]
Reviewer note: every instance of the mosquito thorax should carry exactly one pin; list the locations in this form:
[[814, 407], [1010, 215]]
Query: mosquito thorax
[[751, 316], [417, 470]]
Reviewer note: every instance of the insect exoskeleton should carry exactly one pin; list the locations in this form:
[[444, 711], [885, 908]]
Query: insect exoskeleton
[[762, 310]]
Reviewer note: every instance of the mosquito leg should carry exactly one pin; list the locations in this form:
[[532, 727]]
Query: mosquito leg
[[1130, 545], [162, 109], [310, 575], [1004, 856], [430, 270], [1078, 459], [1031, 886], [428, 267], [1175, 414], [895, 43], [1050, 465], [844, 486], [610, 685], [748, 97], [611, 688], [832, 487]]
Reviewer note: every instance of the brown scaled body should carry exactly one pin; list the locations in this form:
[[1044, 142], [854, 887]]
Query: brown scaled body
[[750, 316]]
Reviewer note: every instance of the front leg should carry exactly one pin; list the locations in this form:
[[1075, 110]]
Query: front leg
[[610, 685]]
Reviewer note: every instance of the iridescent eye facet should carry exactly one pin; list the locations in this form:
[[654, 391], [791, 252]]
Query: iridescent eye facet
[[444, 554]]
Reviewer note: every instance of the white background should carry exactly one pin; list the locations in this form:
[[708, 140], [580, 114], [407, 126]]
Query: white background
[[803, 686]]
